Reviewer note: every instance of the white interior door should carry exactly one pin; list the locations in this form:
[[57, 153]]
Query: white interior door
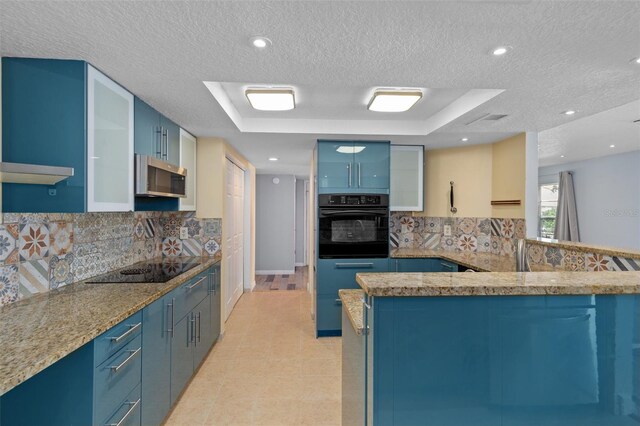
[[233, 249]]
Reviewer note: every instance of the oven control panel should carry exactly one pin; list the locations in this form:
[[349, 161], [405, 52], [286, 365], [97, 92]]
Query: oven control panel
[[368, 200]]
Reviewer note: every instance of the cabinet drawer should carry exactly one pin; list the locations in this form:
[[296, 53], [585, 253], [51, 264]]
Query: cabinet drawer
[[328, 313], [334, 274], [128, 411], [117, 377], [190, 294], [114, 339]]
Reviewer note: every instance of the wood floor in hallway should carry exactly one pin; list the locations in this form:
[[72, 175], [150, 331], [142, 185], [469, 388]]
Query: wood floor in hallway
[[268, 370], [296, 281]]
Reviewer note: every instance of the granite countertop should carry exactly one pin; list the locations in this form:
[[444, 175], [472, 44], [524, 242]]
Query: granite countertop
[[38, 331], [499, 283], [572, 245], [352, 303]]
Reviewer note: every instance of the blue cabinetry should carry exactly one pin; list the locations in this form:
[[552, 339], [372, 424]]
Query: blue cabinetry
[[332, 275], [353, 166], [422, 265], [155, 134]]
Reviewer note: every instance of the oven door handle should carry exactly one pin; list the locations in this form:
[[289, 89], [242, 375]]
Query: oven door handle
[[376, 212]]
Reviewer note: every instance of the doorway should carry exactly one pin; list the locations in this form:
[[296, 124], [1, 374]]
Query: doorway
[[234, 236]]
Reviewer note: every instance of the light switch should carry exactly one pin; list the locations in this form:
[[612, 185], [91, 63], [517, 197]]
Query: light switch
[[447, 230], [184, 232]]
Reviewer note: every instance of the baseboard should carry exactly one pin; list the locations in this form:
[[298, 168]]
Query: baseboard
[[329, 333], [275, 272], [301, 264]]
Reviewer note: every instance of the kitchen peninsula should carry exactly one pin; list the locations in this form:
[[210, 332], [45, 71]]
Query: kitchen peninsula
[[501, 348]]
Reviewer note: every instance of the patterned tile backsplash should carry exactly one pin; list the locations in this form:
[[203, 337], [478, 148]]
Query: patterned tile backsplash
[[589, 260], [468, 234], [40, 252]]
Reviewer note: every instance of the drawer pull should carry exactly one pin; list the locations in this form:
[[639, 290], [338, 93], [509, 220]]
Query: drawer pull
[[115, 368], [339, 301], [171, 306], [365, 304], [197, 283], [127, 414], [353, 265], [131, 329]]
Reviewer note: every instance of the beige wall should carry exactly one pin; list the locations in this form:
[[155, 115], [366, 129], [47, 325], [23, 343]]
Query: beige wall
[[509, 176], [481, 173], [211, 157]]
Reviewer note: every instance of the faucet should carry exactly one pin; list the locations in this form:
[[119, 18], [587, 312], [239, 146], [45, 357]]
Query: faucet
[[522, 262]]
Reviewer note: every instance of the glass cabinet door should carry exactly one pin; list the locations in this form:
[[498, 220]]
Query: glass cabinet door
[[372, 165], [335, 165], [407, 166], [109, 144]]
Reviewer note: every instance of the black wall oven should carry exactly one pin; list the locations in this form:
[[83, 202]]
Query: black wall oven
[[353, 226]]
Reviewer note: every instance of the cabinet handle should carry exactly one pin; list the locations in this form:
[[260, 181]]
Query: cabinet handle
[[359, 176], [171, 305], [132, 328], [127, 414], [365, 304], [349, 174], [192, 331], [339, 301], [197, 283], [115, 368], [353, 265], [199, 326], [159, 142], [166, 143]]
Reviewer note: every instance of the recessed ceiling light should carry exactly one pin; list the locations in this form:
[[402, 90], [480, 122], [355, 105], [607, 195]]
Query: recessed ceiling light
[[260, 42], [273, 158], [612, 146], [562, 156], [569, 112], [393, 101], [271, 99], [350, 149], [635, 60], [501, 50], [464, 139]]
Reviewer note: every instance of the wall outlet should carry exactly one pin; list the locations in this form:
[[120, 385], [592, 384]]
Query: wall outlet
[[447, 230], [184, 232]]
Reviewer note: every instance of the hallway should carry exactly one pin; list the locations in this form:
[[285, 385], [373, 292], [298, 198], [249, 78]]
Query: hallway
[[267, 370], [296, 281]]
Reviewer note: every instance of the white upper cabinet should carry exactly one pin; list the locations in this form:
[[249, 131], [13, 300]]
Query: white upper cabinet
[[407, 178], [188, 161], [110, 144]]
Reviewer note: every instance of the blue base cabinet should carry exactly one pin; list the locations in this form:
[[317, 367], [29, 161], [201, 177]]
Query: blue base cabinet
[[422, 265], [332, 275]]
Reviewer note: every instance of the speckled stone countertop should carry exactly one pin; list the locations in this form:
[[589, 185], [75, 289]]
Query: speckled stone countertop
[[483, 262], [499, 283], [571, 245], [38, 331], [352, 303]]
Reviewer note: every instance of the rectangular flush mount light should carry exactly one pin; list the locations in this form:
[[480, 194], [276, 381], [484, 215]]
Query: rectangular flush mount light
[[393, 101], [271, 99]]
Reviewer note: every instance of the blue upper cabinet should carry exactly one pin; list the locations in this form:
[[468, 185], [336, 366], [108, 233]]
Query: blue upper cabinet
[[67, 113], [353, 167], [155, 134]]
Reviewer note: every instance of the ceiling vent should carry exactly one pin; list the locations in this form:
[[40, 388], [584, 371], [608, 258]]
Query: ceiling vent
[[488, 117]]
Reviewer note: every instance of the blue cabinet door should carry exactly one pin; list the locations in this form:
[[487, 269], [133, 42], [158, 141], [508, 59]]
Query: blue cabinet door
[[216, 301], [416, 265], [446, 266], [335, 166], [157, 323], [372, 166], [172, 140], [146, 129], [181, 356], [203, 335]]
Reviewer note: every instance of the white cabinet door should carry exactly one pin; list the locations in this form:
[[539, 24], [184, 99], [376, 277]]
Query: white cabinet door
[[188, 161], [109, 144], [407, 181]]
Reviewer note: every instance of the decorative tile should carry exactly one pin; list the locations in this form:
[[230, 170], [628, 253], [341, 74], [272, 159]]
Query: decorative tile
[[61, 237], [394, 221], [34, 277], [171, 247], [191, 247], [433, 225], [430, 241], [574, 260], [149, 227], [483, 227], [625, 264], [150, 248], [448, 243], [9, 284], [507, 229], [507, 247], [484, 243], [61, 271], [406, 240], [34, 241], [406, 225], [394, 239], [599, 262], [213, 228], [418, 225], [138, 230], [536, 254], [520, 229], [467, 225], [553, 256], [496, 242], [210, 247], [9, 237], [468, 242], [193, 227], [496, 227], [33, 218], [170, 226]]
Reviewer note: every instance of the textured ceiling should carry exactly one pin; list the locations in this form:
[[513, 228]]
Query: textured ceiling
[[566, 55]]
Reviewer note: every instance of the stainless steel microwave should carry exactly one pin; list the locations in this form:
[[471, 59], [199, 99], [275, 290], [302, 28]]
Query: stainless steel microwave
[[157, 178]]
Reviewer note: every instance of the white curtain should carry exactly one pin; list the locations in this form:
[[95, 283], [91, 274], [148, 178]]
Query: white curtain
[[567, 215]]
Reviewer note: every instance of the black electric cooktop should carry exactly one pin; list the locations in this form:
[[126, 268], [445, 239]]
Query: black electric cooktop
[[147, 272]]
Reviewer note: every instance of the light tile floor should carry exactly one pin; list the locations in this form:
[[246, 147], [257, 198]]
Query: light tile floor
[[269, 369]]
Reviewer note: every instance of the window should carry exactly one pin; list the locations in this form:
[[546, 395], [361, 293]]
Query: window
[[548, 197]]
